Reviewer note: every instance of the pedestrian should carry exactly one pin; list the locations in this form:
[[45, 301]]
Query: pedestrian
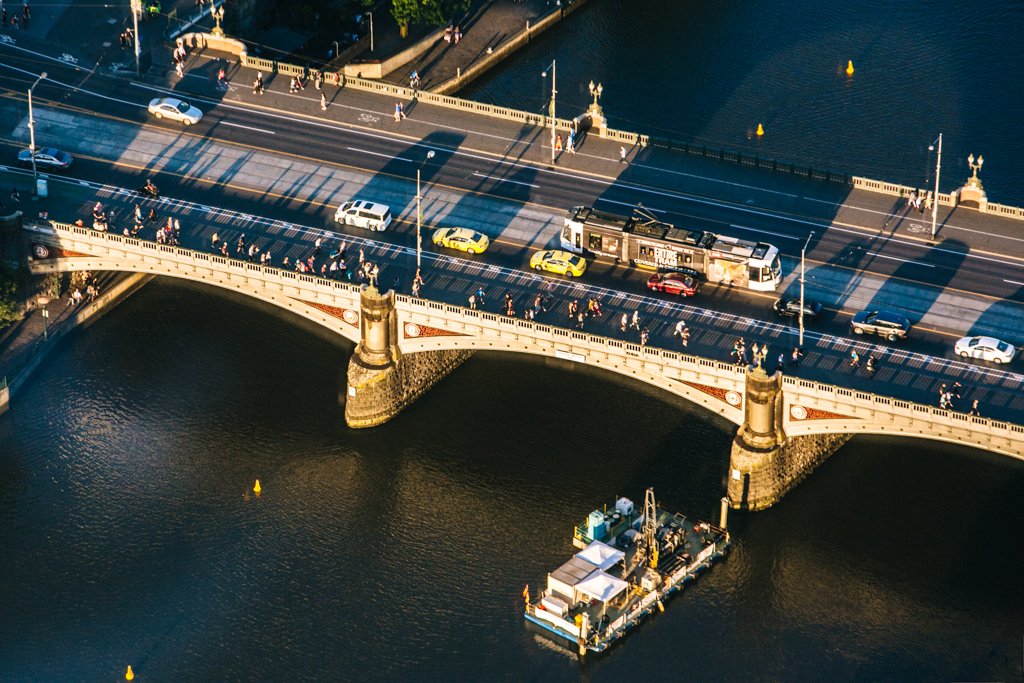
[[257, 86], [684, 338], [558, 142], [317, 245], [854, 359], [122, 39], [780, 362], [870, 367], [956, 389], [480, 298], [323, 101], [414, 80], [178, 70], [974, 409], [570, 143], [624, 323], [317, 79], [794, 358], [678, 331], [399, 113], [644, 337], [622, 154], [240, 244], [472, 302], [635, 322], [224, 250]]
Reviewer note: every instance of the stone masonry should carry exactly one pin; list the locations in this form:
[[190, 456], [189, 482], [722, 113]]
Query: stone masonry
[[381, 380]]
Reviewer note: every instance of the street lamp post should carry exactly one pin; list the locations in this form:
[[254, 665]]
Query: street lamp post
[[43, 301], [938, 168], [803, 270], [419, 212], [554, 92], [136, 6], [32, 134]]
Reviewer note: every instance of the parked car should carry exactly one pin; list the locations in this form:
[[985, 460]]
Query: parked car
[[174, 109], [789, 307], [557, 261], [46, 157], [888, 324], [682, 284], [364, 214], [985, 348], [463, 239]]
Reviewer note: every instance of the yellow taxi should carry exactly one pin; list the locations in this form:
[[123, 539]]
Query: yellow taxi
[[463, 239], [557, 261]]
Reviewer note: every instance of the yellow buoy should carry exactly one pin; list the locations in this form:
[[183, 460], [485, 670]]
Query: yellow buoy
[[760, 130], [129, 675], [256, 488], [849, 67]]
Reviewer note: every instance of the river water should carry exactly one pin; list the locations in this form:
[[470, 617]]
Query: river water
[[709, 72], [130, 535]]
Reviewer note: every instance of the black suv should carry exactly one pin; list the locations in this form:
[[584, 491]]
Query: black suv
[[886, 324]]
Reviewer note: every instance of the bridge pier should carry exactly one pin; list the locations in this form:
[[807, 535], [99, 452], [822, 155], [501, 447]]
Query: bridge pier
[[764, 463], [381, 380]]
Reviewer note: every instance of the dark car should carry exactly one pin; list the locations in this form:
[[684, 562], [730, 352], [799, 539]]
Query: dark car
[[682, 284], [888, 324], [46, 157], [789, 307]]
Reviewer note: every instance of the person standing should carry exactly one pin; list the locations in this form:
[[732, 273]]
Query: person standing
[[622, 155], [974, 408], [794, 358]]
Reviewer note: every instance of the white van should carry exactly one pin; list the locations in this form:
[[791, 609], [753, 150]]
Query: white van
[[363, 214]]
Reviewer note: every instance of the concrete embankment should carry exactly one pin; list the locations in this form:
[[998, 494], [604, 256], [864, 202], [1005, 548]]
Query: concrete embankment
[[21, 364]]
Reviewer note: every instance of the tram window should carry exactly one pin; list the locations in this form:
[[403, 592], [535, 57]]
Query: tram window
[[643, 251], [595, 242], [759, 274]]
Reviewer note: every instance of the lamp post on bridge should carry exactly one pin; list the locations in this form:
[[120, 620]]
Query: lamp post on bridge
[[32, 136], [803, 252], [42, 301], [419, 211], [218, 15], [554, 92], [938, 167]]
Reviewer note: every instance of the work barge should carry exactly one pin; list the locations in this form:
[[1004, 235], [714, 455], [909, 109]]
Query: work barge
[[628, 565]]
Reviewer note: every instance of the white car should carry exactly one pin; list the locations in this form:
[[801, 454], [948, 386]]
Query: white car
[[174, 109], [985, 348], [364, 214]]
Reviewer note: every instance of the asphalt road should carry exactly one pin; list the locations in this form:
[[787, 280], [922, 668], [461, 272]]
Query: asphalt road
[[865, 241]]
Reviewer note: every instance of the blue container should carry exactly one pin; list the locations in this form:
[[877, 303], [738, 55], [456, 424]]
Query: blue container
[[596, 527]]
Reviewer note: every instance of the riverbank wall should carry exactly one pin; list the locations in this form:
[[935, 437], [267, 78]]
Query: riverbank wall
[[17, 369]]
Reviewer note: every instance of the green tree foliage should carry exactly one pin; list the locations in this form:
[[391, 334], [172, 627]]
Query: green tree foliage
[[9, 310], [431, 12]]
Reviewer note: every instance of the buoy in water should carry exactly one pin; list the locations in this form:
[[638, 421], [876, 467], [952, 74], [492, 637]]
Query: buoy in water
[[849, 67], [129, 675], [760, 130], [256, 488]]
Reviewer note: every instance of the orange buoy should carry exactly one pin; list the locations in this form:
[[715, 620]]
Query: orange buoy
[[849, 67], [256, 488], [129, 675], [760, 130]]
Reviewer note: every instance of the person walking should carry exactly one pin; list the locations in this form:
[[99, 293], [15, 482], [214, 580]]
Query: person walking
[[644, 337], [622, 155], [317, 246], [794, 358], [323, 101], [974, 408], [635, 322], [870, 367], [624, 323], [854, 359]]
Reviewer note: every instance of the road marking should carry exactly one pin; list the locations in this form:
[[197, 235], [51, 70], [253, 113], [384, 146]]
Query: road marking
[[377, 154], [895, 258], [238, 125], [764, 232], [1014, 282], [503, 180]]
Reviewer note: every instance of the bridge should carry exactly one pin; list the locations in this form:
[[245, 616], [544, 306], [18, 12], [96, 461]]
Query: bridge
[[787, 425]]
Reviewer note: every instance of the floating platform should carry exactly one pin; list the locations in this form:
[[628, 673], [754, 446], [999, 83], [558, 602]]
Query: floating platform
[[630, 562]]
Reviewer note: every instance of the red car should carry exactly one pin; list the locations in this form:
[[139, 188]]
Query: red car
[[674, 283]]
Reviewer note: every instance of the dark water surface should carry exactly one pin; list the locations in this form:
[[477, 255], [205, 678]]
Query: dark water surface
[[709, 72], [129, 535]]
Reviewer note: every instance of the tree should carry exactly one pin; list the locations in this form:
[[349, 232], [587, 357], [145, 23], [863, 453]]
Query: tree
[[430, 12], [9, 310]]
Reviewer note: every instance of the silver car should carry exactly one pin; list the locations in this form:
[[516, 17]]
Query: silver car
[[174, 109]]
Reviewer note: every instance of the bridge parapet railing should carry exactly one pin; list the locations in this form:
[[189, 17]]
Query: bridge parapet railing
[[894, 406]]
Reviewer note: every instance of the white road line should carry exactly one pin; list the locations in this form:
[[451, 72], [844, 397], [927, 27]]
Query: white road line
[[503, 180], [238, 125], [895, 258], [764, 232], [1014, 282], [377, 154]]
